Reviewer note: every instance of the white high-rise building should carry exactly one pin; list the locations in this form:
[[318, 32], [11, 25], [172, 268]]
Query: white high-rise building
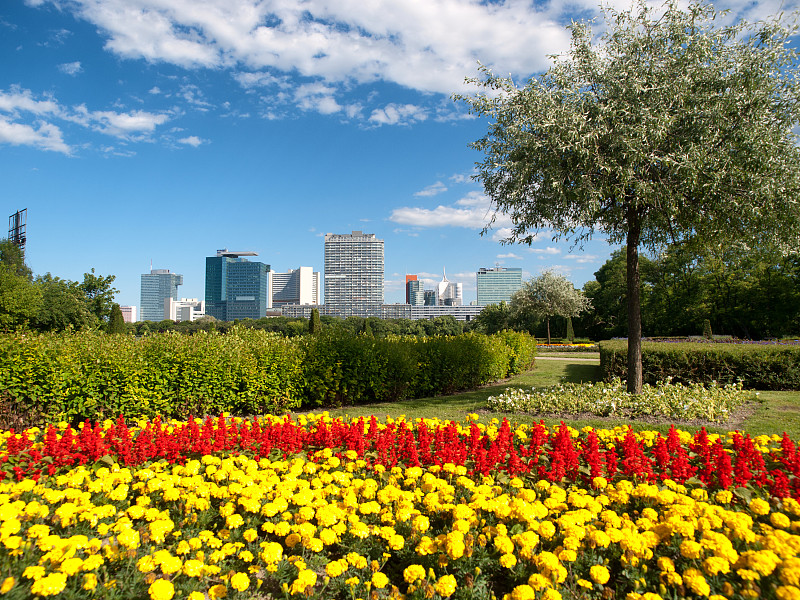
[[353, 274], [449, 293], [185, 309], [296, 286], [128, 313]]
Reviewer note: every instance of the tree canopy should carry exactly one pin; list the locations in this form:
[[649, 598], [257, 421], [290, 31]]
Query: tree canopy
[[549, 295], [669, 128]]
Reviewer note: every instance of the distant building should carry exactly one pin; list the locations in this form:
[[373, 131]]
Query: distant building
[[236, 288], [415, 295], [449, 293], [157, 286], [128, 313], [353, 274], [298, 286], [390, 311], [429, 297], [185, 309], [498, 284]]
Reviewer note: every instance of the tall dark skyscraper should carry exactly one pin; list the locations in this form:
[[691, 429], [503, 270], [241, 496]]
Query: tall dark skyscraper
[[236, 288]]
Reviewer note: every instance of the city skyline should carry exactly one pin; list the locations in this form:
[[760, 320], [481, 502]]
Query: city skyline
[[139, 132]]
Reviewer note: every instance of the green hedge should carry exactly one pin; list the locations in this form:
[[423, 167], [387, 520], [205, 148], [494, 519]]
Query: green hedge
[[759, 367], [74, 376]]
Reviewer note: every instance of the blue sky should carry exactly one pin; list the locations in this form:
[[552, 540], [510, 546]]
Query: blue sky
[[161, 130]]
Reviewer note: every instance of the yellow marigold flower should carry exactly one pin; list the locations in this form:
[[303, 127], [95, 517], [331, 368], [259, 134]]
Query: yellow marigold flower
[[197, 596], [240, 582], [714, 565], [568, 556], [396, 542], [71, 565], [89, 581], [691, 549], [723, 497], [35, 572], [551, 594], [508, 561], [446, 586], [585, 583], [7, 584], [193, 568], [217, 591], [161, 589], [599, 574], [379, 580], [523, 592], [49, 586], [694, 580], [251, 535], [538, 581], [413, 573], [146, 564], [547, 529], [787, 592], [759, 506], [780, 520]]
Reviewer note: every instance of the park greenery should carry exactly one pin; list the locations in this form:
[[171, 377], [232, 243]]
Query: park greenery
[[669, 128]]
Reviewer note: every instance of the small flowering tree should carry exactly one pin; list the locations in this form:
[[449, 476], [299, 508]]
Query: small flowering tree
[[547, 296]]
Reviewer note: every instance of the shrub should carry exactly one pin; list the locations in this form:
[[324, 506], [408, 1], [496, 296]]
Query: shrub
[[757, 366]]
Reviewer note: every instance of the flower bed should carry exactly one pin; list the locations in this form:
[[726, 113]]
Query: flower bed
[[672, 400], [278, 508]]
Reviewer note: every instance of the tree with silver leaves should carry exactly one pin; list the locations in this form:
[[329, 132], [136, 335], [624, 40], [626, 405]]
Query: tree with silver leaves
[[671, 128]]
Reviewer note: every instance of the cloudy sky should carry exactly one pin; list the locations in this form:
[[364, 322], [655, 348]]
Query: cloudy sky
[[141, 132]]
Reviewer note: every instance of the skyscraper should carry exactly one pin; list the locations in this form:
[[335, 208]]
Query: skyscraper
[[415, 294], [353, 274], [296, 286], [235, 287], [157, 286], [498, 284], [449, 293]]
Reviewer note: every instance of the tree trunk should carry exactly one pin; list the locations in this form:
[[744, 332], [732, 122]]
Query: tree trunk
[[548, 329], [634, 384]]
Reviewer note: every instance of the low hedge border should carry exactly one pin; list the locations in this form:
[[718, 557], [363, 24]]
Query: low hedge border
[[758, 367]]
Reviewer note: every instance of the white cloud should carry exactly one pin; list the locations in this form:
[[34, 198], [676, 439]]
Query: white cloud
[[548, 250], [45, 136], [473, 211], [192, 140], [27, 120], [155, 90], [432, 190], [582, 259], [394, 114], [510, 255], [72, 68]]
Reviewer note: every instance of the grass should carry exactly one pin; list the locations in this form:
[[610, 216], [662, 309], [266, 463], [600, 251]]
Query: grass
[[777, 412]]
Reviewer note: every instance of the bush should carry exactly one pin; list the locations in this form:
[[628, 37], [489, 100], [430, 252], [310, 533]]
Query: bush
[[74, 376], [757, 366]]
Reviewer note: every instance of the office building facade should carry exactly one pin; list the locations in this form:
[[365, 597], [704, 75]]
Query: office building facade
[[157, 286], [497, 284], [353, 274], [296, 286], [236, 288], [185, 309], [415, 294], [128, 313], [449, 293]]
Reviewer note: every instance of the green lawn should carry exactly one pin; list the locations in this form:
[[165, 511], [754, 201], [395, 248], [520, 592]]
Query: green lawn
[[779, 411]]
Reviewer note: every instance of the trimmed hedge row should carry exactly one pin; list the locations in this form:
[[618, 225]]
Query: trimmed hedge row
[[74, 376], [759, 367]]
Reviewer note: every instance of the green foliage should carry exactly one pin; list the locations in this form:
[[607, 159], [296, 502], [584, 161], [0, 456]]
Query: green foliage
[[493, 318], [98, 294], [665, 399], [314, 324], [116, 323], [570, 330], [707, 329], [90, 374], [763, 367], [93, 375]]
